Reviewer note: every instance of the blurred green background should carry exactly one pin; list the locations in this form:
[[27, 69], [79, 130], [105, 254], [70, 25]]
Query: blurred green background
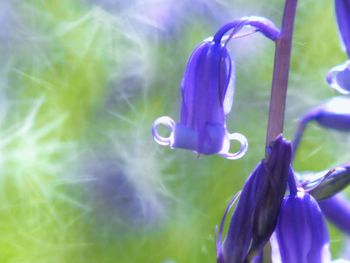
[[81, 83]]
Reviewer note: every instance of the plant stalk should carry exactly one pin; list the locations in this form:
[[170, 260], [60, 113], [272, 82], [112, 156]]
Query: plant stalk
[[280, 73]]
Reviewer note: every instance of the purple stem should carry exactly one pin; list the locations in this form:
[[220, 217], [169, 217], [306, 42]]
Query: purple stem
[[281, 72], [280, 78], [261, 24]]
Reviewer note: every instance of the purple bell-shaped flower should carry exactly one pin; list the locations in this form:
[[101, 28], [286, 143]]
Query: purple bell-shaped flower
[[207, 94], [301, 234]]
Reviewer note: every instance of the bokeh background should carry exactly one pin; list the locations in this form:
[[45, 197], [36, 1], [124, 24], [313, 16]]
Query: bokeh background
[[81, 82]]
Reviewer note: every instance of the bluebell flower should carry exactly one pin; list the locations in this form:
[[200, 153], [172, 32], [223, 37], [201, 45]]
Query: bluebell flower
[[255, 216], [301, 233], [207, 95]]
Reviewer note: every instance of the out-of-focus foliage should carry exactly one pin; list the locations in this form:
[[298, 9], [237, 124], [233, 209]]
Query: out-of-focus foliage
[[81, 82]]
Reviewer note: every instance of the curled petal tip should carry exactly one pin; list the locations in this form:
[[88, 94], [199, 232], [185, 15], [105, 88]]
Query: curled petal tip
[[168, 123], [339, 78], [242, 149]]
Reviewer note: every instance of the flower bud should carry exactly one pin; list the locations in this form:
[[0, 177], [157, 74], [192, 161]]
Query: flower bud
[[255, 216]]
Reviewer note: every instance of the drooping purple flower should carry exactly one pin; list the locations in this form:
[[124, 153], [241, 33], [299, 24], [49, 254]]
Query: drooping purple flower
[[207, 95], [255, 216], [301, 233]]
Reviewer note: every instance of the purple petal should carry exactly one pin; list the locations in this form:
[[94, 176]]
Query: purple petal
[[334, 114], [255, 216], [301, 232], [337, 210], [219, 247], [342, 10], [323, 185], [207, 95]]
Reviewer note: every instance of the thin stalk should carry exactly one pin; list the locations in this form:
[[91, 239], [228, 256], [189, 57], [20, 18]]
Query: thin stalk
[[280, 84], [281, 72]]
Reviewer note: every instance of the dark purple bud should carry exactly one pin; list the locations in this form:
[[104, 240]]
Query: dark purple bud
[[342, 11], [337, 211], [301, 233], [322, 185], [255, 216], [207, 94], [339, 77]]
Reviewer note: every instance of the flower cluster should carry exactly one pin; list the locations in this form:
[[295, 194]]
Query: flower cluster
[[276, 205]]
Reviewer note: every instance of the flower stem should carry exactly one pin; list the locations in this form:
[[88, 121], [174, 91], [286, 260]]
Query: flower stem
[[280, 84], [281, 72]]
